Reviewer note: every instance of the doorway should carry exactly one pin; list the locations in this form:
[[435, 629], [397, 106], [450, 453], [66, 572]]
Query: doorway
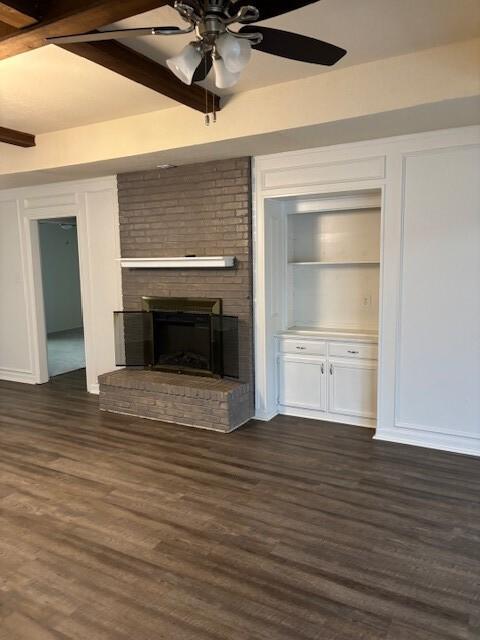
[[58, 243]]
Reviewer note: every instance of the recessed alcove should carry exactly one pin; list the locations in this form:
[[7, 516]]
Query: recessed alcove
[[332, 261]]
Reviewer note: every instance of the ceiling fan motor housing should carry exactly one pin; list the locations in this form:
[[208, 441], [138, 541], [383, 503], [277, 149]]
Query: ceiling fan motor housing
[[210, 28]]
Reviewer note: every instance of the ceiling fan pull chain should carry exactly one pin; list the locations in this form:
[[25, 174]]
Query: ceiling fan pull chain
[[214, 109], [207, 116]]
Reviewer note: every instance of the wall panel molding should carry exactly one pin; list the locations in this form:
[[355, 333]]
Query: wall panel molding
[[98, 246], [269, 196]]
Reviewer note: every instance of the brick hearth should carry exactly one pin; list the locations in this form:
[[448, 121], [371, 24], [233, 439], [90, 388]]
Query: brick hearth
[[207, 403]]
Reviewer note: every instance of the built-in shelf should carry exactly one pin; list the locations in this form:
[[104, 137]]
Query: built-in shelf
[[197, 262], [329, 263], [333, 271]]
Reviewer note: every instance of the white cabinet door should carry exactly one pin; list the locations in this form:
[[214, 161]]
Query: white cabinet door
[[352, 388], [302, 383]]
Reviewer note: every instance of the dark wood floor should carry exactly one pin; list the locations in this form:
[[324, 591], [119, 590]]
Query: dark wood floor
[[113, 528]]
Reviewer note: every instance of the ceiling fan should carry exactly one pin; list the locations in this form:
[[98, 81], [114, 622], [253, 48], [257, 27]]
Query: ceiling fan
[[217, 44]]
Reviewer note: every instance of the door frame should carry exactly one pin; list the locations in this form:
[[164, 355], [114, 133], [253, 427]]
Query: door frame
[[94, 203], [35, 284]]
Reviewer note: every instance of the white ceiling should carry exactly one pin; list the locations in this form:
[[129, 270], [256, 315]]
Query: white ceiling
[[368, 29], [50, 89]]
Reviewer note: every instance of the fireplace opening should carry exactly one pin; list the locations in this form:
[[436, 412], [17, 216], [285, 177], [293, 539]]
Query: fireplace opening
[[182, 341], [186, 336]]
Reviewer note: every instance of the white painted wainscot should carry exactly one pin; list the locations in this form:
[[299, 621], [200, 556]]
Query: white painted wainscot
[[94, 203], [372, 247]]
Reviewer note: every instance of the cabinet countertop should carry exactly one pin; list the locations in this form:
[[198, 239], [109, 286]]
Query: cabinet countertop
[[315, 333]]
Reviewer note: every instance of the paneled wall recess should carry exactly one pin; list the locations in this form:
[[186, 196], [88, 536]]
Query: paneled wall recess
[[417, 243]]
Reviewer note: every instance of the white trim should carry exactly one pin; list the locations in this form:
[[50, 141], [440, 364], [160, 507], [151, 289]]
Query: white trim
[[460, 135], [86, 291], [277, 195], [118, 249], [200, 262], [430, 440], [56, 201], [35, 306], [400, 284], [325, 416], [58, 188], [94, 388], [17, 375], [339, 202], [25, 289], [265, 417], [373, 169], [454, 431]]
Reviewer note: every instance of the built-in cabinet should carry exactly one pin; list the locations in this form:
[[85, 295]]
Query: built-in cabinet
[[327, 342], [352, 389], [320, 377], [366, 244], [302, 383]]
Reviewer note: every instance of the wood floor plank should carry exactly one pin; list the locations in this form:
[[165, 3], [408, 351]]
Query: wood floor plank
[[114, 528]]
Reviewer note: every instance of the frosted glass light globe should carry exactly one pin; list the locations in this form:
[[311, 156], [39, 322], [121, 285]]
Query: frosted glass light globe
[[235, 52], [223, 77], [185, 64]]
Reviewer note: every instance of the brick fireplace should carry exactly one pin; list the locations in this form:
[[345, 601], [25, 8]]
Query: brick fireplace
[[202, 210]]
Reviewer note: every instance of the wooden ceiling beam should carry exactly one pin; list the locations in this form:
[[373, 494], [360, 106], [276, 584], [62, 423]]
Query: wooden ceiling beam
[[19, 13], [137, 67], [6, 29], [17, 138], [64, 17]]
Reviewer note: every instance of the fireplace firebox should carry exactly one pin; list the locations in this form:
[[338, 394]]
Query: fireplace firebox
[[180, 335]]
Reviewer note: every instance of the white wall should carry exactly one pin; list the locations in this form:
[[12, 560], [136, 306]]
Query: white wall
[[429, 356], [437, 394], [440, 83], [94, 203], [60, 277], [15, 360]]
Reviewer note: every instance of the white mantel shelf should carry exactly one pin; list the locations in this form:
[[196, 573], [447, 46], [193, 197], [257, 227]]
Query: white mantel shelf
[[181, 262]]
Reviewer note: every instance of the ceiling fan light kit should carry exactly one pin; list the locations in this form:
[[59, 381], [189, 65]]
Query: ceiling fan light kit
[[217, 45], [235, 52], [230, 56], [186, 63], [224, 78]]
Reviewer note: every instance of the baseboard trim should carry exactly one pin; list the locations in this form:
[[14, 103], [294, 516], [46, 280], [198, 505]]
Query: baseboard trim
[[94, 388], [430, 440], [265, 417], [17, 375], [312, 414]]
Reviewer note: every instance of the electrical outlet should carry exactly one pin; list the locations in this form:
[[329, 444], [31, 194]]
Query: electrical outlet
[[366, 302]]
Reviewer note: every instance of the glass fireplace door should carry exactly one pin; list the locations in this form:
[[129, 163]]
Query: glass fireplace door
[[133, 338]]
